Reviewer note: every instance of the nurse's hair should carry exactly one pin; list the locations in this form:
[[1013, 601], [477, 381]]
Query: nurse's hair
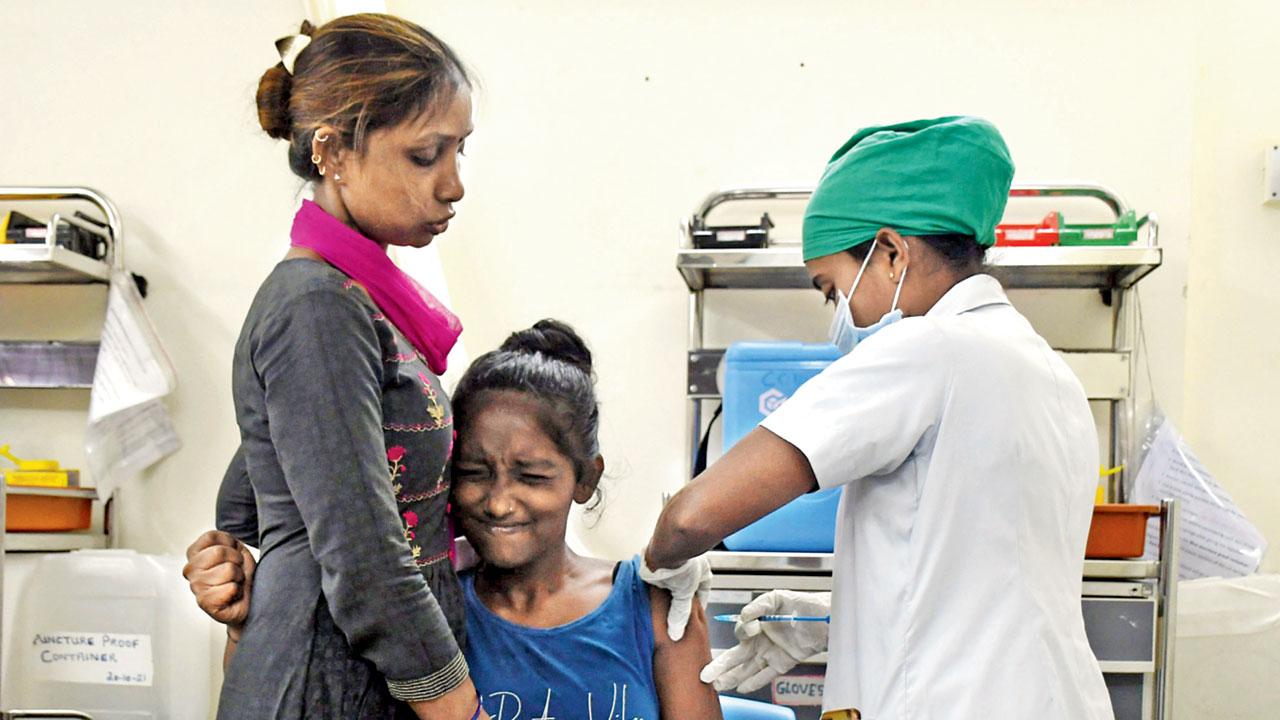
[[961, 253], [358, 73], [550, 362]]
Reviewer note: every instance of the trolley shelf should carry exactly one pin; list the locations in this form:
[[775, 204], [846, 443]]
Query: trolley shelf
[[724, 561], [45, 264], [50, 264], [1099, 268], [47, 364], [769, 562], [54, 542]]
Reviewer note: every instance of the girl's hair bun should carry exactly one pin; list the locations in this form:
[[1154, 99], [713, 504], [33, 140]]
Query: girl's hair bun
[[553, 339]]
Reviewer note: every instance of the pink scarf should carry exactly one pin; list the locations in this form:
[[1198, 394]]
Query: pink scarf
[[420, 317]]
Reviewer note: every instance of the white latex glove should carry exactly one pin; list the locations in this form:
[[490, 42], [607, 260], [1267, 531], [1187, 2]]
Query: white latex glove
[[690, 580], [766, 650]]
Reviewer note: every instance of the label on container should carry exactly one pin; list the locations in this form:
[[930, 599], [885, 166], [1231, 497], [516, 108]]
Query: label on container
[[771, 400], [92, 658], [798, 690]]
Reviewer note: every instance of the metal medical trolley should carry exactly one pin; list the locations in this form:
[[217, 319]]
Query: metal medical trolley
[[70, 364]]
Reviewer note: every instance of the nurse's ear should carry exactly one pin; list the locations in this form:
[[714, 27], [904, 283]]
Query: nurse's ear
[[896, 250], [586, 487]]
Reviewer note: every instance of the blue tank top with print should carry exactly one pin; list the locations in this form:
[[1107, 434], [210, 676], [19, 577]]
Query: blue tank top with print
[[598, 667]]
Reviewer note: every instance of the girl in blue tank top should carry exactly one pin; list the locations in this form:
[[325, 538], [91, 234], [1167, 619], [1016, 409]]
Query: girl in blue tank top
[[600, 665], [552, 635]]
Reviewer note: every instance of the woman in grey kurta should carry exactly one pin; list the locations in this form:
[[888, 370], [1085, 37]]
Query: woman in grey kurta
[[341, 477], [346, 436]]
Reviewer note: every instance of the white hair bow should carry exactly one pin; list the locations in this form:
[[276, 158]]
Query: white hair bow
[[290, 47]]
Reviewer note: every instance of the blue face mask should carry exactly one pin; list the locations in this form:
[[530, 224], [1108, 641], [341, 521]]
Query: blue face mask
[[843, 333]]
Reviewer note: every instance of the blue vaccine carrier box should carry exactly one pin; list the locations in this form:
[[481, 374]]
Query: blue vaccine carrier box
[[758, 378]]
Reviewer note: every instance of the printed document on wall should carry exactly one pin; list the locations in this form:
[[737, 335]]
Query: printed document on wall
[[1217, 540], [129, 427]]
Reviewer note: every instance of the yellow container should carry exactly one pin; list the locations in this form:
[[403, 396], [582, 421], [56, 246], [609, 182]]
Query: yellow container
[[38, 473], [43, 478]]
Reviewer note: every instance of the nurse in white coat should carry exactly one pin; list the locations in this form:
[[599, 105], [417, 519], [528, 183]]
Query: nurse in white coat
[[965, 447]]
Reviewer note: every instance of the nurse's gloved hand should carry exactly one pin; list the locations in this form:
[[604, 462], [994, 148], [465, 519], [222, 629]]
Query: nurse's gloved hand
[[690, 580], [767, 649]]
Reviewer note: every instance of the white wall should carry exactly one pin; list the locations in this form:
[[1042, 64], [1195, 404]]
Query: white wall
[[1233, 346], [599, 126]]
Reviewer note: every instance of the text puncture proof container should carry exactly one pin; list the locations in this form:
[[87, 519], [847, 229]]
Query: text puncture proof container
[[112, 633], [758, 377]]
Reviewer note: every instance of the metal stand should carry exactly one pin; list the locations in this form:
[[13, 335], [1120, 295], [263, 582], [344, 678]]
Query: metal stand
[[51, 264], [1170, 520]]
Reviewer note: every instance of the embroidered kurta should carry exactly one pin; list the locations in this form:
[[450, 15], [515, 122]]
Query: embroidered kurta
[[341, 480]]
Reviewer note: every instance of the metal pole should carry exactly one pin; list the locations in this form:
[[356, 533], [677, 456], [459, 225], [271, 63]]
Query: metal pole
[[4, 493], [1128, 407], [695, 319], [693, 420], [1119, 408], [1165, 637]]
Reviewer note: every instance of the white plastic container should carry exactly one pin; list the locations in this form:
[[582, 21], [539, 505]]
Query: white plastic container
[[112, 633], [1227, 656]]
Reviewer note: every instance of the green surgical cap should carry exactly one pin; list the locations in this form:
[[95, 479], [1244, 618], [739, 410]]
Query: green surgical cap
[[925, 177]]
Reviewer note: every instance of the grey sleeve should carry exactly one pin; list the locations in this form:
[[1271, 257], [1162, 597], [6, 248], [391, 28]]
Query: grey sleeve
[[320, 363], [237, 510]]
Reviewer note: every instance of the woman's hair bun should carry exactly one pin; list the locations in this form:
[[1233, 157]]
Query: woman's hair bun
[[553, 339], [273, 102]]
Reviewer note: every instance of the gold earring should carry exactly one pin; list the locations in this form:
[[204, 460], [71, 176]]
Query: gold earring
[[315, 159], [321, 169], [337, 177], [890, 276], [322, 138]]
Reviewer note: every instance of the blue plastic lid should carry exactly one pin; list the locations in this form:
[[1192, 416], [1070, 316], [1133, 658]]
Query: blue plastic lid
[[792, 351]]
